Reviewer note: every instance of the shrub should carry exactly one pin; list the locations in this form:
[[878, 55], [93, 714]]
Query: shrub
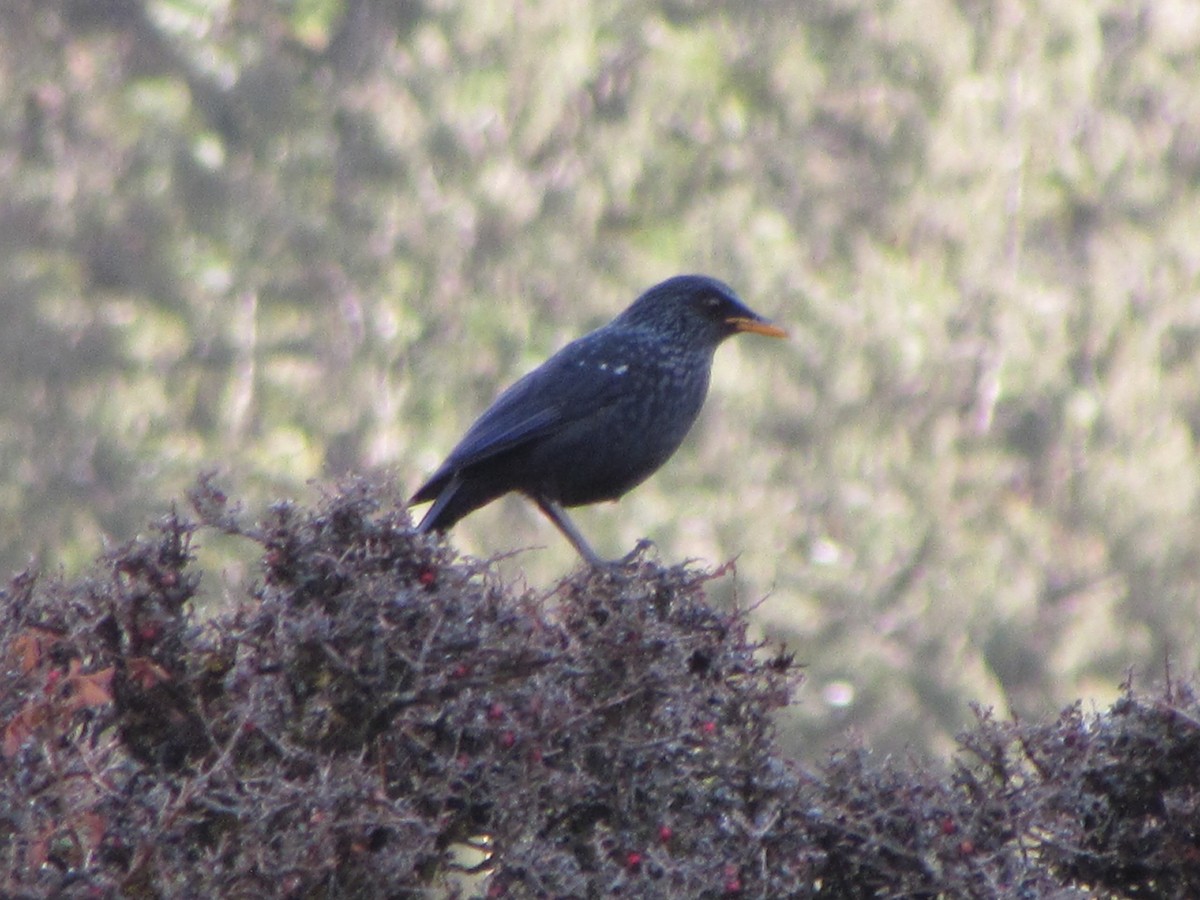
[[377, 708]]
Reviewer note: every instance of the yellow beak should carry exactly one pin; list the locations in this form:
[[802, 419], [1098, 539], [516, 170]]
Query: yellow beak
[[756, 326]]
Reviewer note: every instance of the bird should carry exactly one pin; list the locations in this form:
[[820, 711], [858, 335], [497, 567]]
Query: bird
[[599, 416]]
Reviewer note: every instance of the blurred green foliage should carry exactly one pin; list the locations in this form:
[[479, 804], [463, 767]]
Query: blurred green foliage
[[295, 239]]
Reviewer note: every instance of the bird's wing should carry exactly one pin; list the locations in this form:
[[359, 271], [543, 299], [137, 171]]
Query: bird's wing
[[574, 383]]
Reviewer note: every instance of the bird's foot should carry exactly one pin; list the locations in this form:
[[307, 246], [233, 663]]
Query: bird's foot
[[628, 561], [639, 551]]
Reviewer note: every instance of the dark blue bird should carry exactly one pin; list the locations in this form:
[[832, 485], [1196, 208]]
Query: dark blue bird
[[599, 416]]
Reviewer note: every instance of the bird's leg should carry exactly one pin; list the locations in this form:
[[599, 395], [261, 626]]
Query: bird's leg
[[558, 516]]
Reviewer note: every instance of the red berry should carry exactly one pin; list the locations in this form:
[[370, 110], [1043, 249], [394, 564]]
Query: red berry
[[633, 860], [665, 833], [733, 881], [708, 727], [496, 711], [507, 740]]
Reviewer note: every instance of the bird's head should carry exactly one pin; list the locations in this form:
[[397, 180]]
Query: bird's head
[[697, 310]]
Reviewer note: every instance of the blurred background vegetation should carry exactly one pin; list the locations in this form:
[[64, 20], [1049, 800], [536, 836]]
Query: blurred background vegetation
[[297, 238]]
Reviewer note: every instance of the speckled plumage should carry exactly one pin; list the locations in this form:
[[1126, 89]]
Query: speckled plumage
[[599, 416]]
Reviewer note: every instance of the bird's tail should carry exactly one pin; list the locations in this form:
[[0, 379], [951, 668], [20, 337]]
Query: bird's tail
[[436, 518], [456, 498]]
